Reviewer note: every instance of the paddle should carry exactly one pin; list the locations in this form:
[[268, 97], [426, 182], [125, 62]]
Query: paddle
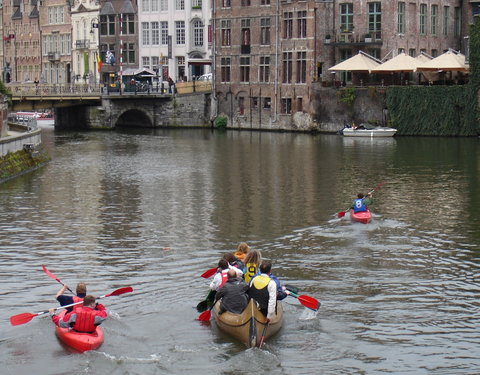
[[206, 315], [262, 339], [307, 301], [26, 317], [209, 273], [342, 213], [54, 277], [203, 305]]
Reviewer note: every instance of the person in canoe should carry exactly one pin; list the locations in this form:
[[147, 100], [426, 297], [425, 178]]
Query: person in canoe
[[234, 263], [263, 289], [233, 294], [252, 263], [361, 203], [242, 251], [81, 292], [220, 277], [84, 318]]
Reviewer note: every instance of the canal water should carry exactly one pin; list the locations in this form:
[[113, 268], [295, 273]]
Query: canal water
[[154, 209]]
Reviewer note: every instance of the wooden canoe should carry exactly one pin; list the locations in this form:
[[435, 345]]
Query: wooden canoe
[[248, 326]]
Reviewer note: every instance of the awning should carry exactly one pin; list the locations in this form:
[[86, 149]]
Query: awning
[[399, 63], [449, 61], [361, 62], [199, 62], [142, 72]]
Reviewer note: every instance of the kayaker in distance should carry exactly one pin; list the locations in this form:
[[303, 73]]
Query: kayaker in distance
[[81, 292], [84, 318], [361, 203], [233, 294]]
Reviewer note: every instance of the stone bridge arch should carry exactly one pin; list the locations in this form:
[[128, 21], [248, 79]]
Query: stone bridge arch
[[134, 117]]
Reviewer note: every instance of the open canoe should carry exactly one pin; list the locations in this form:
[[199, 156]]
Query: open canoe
[[362, 217], [81, 342], [249, 325]]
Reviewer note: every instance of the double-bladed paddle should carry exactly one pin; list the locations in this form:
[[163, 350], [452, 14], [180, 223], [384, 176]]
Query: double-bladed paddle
[[54, 277], [26, 317], [342, 213]]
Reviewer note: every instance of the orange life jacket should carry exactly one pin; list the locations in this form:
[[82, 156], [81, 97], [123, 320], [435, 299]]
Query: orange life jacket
[[85, 319]]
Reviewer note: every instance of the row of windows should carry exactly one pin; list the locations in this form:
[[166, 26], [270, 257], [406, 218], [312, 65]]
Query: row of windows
[[57, 43], [294, 68], [128, 53], [286, 104], [243, 3], [162, 5], [124, 22]]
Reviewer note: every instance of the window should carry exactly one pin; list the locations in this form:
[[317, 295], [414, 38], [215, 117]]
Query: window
[[457, 21], [128, 24], [154, 5], [226, 4], [244, 69], [55, 15], [129, 53], [180, 32], [287, 67], [287, 25], [145, 34], [412, 52], [198, 33], [287, 106], [264, 69], [145, 5], [374, 17], [302, 24], [180, 4], [446, 11], [255, 102], [155, 34], [267, 103], [401, 18], [245, 32], [301, 67], [299, 104], [197, 4], [346, 17], [241, 105], [265, 31], [433, 18], [163, 5], [226, 32], [423, 19], [225, 69], [245, 3], [107, 25], [434, 53], [146, 62], [164, 31], [264, 2]]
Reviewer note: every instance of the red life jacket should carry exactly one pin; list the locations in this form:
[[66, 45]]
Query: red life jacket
[[224, 275], [75, 300], [85, 319]]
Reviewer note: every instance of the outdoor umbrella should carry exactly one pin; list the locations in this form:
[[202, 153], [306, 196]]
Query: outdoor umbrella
[[361, 62], [447, 62], [399, 63]]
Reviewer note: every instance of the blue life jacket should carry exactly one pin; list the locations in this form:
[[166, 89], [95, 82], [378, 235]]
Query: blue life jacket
[[358, 205]]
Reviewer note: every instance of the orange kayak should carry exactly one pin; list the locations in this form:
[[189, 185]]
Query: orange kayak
[[79, 341], [362, 217]]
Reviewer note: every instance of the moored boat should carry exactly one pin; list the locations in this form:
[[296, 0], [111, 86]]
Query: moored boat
[[248, 327], [371, 133], [362, 216], [41, 118], [80, 341]]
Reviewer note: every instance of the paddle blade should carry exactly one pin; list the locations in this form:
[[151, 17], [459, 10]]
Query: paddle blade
[[341, 214], [19, 319], [205, 316], [202, 306], [49, 273], [309, 302], [120, 291], [209, 273]]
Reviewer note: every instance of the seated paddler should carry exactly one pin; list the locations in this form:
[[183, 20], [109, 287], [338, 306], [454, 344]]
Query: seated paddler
[[263, 289], [233, 294]]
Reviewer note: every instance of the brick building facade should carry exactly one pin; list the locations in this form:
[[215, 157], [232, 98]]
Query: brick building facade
[[270, 55]]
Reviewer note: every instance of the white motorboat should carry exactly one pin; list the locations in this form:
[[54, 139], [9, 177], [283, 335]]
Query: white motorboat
[[369, 131], [41, 118]]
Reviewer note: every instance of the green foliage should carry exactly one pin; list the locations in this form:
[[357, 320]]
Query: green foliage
[[16, 163], [5, 91], [347, 96], [221, 122]]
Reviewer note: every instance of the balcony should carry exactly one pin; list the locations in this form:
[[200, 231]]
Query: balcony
[[355, 39], [82, 44], [53, 57]]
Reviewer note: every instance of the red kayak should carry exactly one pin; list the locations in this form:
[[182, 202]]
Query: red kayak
[[81, 342], [362, 216]]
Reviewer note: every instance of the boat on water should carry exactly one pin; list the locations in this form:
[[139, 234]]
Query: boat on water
[[365, 130], [248, 327], [361, 217], [41, 118], [79, 341]]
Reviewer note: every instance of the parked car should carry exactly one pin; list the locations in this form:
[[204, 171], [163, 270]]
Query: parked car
[[205, 77]]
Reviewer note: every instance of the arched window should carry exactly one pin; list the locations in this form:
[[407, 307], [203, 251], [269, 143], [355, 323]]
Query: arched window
[[198, 33]]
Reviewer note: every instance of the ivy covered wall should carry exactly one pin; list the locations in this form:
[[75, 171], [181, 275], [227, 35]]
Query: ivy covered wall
[[439, 110]]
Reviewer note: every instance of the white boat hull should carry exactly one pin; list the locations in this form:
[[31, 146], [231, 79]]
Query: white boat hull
[[370, 133]]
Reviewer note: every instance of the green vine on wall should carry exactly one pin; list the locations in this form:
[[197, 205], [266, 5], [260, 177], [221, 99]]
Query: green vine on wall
[[347, 96]]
